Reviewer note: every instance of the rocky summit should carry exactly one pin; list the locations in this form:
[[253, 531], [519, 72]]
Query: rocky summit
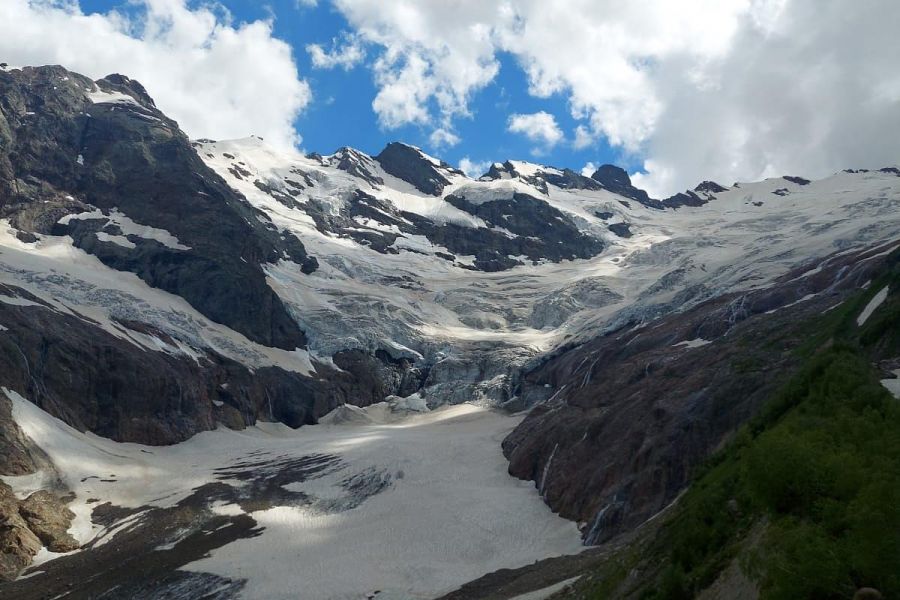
[[234, 371]]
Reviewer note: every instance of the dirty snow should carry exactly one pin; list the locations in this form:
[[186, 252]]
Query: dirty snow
[[450, 514]]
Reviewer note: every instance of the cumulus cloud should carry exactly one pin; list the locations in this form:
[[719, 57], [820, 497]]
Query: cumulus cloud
[[434, 55], [474, 168], [588, 169], [346, 52], [217, 78], [443, 138], [540, 127], [583, 138], [724, 89]]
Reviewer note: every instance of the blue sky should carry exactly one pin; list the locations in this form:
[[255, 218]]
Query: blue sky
[[341, 113], [675, 92]]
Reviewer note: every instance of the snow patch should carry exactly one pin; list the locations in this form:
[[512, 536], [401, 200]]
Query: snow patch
[[548, 591], [873, 304], [16, 301], [695, 343], [119, 240], [101, 97], [128, 227], [893, 385]]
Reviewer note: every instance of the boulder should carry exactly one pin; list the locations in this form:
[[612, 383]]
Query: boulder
[[49, 518], [18, 544]]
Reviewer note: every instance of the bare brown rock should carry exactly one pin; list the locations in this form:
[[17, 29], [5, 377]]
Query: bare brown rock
[[49, 518], [18, 544], [622, 420]]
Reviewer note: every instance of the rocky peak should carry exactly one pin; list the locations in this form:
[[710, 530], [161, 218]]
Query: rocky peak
[[71, 148], [504, 170], [700, 195], [356, 163], [426, 174], [616, 180], [710, 187], [540, 176], [611, 176], [567, 179]]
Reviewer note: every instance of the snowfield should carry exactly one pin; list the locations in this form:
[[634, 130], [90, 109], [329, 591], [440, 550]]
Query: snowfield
[[429, 505]]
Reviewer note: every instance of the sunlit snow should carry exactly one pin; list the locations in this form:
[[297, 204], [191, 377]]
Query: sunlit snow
[[450, 514]]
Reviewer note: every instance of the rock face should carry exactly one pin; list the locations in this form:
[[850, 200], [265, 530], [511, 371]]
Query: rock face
[[99, 382], [630, 414], [18, 544], [27, 525], [617, 181], [71, 145], [99, 163], [409, 164], [565, 179], [49, 519]]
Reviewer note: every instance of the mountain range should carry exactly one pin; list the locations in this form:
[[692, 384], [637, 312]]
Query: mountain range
[[210, 350]]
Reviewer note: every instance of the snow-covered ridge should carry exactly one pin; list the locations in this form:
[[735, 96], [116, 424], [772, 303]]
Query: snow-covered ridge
[[743, 238]]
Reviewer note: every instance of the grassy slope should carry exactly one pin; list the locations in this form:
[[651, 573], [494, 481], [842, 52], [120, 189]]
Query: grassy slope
[[813, 481]]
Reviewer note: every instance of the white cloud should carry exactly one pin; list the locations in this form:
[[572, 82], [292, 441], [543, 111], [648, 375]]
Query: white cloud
[[474, 168], [588, 169], [443, 138], [540, 127], [724, 89], [346, 52], [215, 77], [583, 138], [433, 53]]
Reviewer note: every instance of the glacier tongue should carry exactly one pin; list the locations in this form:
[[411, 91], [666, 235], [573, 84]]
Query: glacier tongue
[[474, 329]]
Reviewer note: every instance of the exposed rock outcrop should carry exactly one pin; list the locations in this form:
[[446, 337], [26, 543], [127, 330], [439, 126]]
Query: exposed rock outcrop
[[70, 144], [49, 519], [621, 421], [409, 164], [27, 525]]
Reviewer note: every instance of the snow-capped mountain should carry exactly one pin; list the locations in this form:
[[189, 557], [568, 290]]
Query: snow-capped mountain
[[153, 288]]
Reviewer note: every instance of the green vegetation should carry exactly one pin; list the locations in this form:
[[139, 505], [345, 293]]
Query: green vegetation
[[807, 495]]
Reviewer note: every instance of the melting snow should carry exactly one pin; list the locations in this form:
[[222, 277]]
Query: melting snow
[[101, 97]]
